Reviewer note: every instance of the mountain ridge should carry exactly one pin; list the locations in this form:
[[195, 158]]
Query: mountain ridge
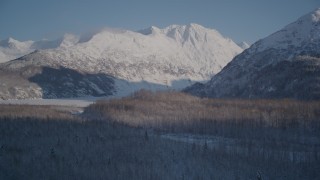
[[183, 54], [285, 64], [11, 48]]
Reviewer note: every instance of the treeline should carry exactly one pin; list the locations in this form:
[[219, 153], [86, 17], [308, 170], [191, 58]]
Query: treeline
[[48, 142], [32, 148], [282, 130], [175, 111]]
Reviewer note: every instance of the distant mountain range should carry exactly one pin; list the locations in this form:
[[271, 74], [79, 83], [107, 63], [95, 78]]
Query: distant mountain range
[[113, 62], [11, 49], [285, 64], [116, 62]]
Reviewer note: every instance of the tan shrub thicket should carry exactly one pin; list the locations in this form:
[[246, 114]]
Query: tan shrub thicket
[[35, 111], [168, 109]]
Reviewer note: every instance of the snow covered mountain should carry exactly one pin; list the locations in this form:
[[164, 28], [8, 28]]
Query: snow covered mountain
[[152, 58], [11, 49], [285, 64]]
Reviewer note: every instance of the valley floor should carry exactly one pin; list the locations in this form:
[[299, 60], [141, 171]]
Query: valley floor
[[60, 142]]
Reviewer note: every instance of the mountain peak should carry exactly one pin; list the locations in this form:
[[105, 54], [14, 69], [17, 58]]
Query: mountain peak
[[150, 30], [316, 15], [195, 26], [305, 30], [181, 28], [177, 28], [15, 44], [311, 18], [277, 66], [69, 40], [196, 35], [9, 42]]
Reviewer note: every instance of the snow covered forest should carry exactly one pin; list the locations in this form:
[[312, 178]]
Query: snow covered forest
[[144, 137]]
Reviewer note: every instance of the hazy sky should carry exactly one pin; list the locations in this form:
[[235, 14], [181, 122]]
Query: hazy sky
[[241, 20]]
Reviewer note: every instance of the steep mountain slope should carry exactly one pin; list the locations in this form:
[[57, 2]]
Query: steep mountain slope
[[152, 58], [285, 64]]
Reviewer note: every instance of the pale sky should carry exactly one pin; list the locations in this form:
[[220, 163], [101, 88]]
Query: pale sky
[[240, 20]]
